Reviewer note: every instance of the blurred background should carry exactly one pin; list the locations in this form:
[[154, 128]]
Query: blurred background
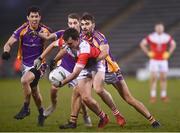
[[124, 23]]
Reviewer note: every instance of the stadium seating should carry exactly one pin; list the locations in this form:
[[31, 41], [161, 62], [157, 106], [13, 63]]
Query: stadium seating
[[125, 38], [124, 33], [56, 16]]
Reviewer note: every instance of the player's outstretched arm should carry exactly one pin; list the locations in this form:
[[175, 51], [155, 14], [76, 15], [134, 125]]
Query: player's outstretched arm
[[60, 54], [38, 61], [45, 36], [7, 47], [48, 49], [77, 69]]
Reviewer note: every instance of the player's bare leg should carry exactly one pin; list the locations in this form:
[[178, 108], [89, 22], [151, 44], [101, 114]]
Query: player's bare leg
[[98, 84], [26, 79], [76, 105], [123, 90], [52, 107], [38, 101], [153, 86], [86, 117], [84, 89], [163, 85]]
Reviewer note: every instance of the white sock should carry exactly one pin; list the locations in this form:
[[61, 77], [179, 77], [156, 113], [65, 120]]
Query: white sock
[[163, 93], [153, 93]]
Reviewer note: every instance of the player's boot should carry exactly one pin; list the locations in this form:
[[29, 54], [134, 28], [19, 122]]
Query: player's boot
[[120, 120], [165, 99], [155, 124], [41, 119], [152, 100], [49, 110], [103, 122], [68, 125], [87, 121], [22, 113]]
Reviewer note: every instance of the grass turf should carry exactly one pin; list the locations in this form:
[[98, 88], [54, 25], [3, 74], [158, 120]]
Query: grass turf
[[11, 100]]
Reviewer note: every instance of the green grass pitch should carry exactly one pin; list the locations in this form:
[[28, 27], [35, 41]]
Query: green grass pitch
[[11, 99]]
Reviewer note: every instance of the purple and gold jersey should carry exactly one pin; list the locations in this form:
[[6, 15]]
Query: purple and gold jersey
[[96, 39], [31, 45]]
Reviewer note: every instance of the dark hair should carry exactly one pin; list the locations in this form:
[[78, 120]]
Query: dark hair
[[71, 33], [74, 16], [88, 16], [34, 9]]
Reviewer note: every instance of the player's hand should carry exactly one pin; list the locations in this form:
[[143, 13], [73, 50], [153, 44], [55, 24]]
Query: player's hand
[[57, 83], [37, 63], [52, 64], [5, 55], [166, 55], [151, 54], [42, 34]]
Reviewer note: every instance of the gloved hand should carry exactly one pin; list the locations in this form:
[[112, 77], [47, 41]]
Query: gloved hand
[[37, 63], [151, 54], [52, 64], [5, 55], [166, 55]]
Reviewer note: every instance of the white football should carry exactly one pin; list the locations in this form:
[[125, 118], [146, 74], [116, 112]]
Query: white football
[[56, 75]]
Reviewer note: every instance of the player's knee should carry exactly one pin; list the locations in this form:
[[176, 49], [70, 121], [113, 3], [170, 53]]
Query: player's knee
[[54, 89], [99, 90], [34, 94], [163, 79], [153, 79], [86, 99], [24, 81]]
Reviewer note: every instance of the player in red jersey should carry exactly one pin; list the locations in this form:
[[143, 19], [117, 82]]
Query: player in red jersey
[[159, 54], [84, 73]]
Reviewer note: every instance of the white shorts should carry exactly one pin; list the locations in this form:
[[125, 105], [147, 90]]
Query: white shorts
[[158, 65], [25, 68], [73, 83], [88, 72]]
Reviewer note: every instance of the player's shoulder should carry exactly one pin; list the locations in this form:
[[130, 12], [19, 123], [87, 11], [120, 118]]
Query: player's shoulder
[[23, 26], [60, 31], [45, 28], [152, 34], [166, 35], [84, 45], [98, 35]]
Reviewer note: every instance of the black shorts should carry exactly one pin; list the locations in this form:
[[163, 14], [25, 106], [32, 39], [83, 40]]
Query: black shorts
[[37, 75]]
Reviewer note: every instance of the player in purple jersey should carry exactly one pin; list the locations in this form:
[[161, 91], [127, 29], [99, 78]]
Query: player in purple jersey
[[30, 47], [113, 75], [65, 66]]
